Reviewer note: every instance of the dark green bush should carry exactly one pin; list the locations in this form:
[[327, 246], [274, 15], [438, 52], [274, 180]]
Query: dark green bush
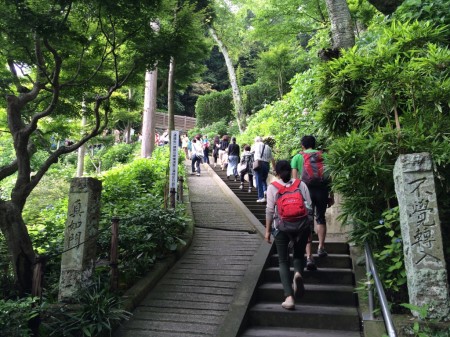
[[134, 192], [147, 233], [120, 153], [94, 314], [218, 106], [213, 107], [15, 315]]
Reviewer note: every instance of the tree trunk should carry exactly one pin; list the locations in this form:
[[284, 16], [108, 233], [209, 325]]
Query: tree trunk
[[19, 245], [237, 100], [341, 24], [82, 148], [170, 95], [148, 119]]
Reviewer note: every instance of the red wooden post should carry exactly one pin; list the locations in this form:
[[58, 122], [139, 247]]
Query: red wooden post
[[113, 258]]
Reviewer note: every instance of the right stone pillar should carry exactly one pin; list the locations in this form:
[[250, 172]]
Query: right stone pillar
[[421, 233]]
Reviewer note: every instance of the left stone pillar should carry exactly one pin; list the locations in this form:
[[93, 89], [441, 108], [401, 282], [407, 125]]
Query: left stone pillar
[[78, 259]]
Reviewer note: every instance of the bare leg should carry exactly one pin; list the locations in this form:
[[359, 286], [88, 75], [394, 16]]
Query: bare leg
[[321, 233]]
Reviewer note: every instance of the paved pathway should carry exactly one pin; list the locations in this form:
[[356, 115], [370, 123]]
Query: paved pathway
[[193, 298]]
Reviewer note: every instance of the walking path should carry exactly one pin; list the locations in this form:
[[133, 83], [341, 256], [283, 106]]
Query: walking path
[[206, 292]]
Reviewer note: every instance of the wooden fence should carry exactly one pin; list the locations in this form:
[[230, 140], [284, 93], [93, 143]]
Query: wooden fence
[[184, 123]]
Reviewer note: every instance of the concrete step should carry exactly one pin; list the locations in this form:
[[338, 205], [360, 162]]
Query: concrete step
[[323, 294], [294, 332], [267, 314], [331, 261], [329, 307], [319, 276]]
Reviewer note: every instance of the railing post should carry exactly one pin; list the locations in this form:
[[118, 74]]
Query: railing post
[[173, 194], [180, 189], [113, 258], [369, 286], [38, 272], [390, 329]]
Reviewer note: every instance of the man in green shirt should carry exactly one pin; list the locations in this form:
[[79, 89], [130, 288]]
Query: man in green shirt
[[308, 166]]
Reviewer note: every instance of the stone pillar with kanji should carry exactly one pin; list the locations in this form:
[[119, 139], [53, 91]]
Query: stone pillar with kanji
[[421, 233], [79, 254]]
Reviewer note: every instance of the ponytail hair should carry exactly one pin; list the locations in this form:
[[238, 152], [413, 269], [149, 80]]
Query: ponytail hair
[[283, 169]]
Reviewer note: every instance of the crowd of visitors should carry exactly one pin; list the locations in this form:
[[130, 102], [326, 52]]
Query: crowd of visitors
[[305, 170]]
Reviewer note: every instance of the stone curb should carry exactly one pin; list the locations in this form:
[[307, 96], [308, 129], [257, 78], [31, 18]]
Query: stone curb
[[133, 296]]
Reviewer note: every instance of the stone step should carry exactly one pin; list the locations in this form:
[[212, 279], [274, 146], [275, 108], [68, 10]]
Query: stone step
[[268, 314], [331, 261], [294, 332], [332, 247], [319, 276], [329, 307], [323, 294]]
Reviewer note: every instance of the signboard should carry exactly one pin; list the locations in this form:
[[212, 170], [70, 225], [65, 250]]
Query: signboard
[[173, 176]]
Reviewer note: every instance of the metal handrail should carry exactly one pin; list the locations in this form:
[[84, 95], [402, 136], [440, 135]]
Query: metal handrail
[[372, 272]]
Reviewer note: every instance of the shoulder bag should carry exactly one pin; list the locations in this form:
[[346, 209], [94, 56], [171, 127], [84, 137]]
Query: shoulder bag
[[257, 162]]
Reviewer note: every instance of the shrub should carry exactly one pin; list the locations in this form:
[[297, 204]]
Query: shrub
[[15, 315], [134, 192], [120, 153], [94, 314], [213, 107], [218, 106], [147, 233]]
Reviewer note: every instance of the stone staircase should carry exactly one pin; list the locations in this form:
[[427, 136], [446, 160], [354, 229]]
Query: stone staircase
[[329, 307]]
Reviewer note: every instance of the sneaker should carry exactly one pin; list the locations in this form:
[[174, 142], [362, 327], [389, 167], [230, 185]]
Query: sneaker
[[241, 186], [198, 174], [192, 173], [298, 286], [249, 190], [261, 200], [322, 252], [288, 304], [310, 264]]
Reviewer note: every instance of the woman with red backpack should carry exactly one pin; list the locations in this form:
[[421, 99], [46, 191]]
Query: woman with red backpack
[[291, 232]]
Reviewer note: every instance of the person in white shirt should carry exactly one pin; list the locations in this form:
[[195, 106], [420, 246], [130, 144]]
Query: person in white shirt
[[197, 154], [263, 154]]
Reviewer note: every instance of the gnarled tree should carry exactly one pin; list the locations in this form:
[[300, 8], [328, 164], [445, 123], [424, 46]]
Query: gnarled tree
[[67, 50]]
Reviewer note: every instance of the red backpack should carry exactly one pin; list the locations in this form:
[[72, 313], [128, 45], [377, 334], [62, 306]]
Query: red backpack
[[313, 168], [291, 214]]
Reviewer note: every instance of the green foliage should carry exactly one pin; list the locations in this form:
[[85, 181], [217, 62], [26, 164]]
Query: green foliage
[[390, 263], [95, 313], [365, 87], [361, 167], [213, 107], [15, 315], [6, 147], [287, 120], [424, 10], [278, 65], [220, 127], [218, 106], [424, 327], [6, 276], [120, 153], [131, 185], [135, 192], [146, 234]]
